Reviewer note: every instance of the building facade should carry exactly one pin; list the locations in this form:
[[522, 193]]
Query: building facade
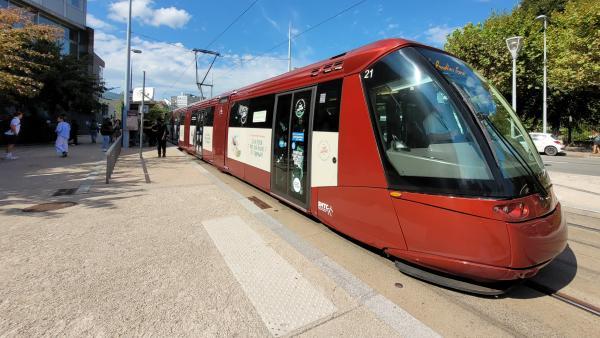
[[70, 17], [184, 100]]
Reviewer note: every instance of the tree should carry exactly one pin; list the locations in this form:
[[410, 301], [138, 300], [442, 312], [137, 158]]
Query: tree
[[156, 111], [20, 61], [573, 58]]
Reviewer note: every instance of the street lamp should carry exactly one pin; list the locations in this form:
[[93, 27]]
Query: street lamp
[[514, 46], [544, 114], [135, 51]]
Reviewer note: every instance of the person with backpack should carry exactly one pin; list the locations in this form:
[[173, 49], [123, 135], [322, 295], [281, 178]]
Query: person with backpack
[[106, 130], [12, 134]]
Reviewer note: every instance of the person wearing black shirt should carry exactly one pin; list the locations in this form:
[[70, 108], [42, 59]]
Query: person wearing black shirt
[[162, 132]]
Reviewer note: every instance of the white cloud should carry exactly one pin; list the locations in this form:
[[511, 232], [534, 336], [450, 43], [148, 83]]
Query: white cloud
[[144, 11], [170, 69], [170, 17], [96, 23], [438, 34]]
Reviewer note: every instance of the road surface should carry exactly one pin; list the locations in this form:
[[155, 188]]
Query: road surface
[[573, 165]]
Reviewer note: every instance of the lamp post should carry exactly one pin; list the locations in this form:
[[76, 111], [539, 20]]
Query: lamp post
[[514, 46], [545, 112], [125, 111], [142, 114]]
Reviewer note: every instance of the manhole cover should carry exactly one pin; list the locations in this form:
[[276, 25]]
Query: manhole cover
[[64, 192], [49, 206]]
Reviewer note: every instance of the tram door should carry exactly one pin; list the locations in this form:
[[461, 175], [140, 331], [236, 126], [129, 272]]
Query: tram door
[[199, 132], [291, 147]]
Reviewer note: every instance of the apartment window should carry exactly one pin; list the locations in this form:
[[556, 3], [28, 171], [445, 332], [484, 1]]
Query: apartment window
[[76, 3]]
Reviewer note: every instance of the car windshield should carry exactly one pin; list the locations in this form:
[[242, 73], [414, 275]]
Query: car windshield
[[513, 148]]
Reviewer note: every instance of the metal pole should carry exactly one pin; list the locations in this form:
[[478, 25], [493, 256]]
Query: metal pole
[[125, 131], [290, 47], [142, 114], [514, 85], [545, 116]]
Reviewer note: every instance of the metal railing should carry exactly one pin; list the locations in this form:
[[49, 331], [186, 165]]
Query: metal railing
[[112, 154]]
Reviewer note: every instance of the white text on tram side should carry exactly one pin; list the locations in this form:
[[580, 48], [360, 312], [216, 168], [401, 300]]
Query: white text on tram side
[[326, 208]]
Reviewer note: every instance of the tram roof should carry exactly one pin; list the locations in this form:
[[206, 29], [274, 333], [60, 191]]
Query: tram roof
[[348, 63]]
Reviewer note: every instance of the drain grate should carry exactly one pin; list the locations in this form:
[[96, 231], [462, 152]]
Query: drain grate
[[64, 192], [259, 203], [49, 206]]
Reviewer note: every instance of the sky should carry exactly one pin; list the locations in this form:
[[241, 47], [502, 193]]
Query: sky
[[254, 48]]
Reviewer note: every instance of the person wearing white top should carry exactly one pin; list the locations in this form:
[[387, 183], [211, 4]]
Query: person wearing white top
[[12, 134]]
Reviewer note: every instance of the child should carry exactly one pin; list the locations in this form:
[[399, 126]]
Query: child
[[63, 130]]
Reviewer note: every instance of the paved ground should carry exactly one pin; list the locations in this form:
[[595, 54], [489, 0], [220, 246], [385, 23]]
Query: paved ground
[[182, 255], [189, 254], [572, 164]]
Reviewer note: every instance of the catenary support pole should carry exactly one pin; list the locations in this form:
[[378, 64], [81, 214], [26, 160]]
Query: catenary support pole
[[142, 113], [124, 130], [290, 47]]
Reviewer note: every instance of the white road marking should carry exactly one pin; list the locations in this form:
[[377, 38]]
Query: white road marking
[[283, 298]]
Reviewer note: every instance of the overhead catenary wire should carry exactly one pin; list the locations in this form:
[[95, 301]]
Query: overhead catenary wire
[[293, 36], [231, 24], [214, 40], [265, 53]]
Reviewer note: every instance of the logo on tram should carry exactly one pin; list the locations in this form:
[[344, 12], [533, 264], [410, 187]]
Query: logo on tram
[[326, 208], [300, 107]]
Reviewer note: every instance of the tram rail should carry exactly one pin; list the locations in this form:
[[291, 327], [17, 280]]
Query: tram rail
[[573, 301]]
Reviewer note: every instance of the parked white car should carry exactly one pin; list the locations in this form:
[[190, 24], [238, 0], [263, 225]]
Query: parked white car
[[547, 143]]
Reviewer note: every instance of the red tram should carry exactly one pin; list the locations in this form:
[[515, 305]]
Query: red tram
[[400, 146]]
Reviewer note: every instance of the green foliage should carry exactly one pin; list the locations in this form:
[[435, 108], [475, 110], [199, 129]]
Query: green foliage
[[573, 58], [156, 111], [20, 60], [34, 74]]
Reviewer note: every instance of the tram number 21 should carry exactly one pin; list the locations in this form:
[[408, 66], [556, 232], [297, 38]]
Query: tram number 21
[[368, 74]]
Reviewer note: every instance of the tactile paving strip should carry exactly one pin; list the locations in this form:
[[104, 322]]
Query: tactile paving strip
[[283, 298]]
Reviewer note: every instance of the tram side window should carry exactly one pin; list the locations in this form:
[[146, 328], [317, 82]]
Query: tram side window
[[261, 112], [209, 116], [238, 117], [327, 112]]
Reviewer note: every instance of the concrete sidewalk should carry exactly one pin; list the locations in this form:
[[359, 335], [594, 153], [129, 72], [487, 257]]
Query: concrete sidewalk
[[169, 250]]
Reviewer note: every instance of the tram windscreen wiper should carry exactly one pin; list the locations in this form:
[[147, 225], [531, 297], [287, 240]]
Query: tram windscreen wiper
[[480, 116]]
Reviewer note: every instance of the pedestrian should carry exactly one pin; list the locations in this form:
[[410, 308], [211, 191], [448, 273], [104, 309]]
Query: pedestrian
[[161, 135], [93, 130], [12, 134], [117, 129], [74, 132], [596, 143], [63, 131], [106, 130]]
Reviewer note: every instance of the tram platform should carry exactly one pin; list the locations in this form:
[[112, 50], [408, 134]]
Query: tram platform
[[173, 247], [165, 249]]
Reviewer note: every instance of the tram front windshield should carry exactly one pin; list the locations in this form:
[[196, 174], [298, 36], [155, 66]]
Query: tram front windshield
[[434, 144]]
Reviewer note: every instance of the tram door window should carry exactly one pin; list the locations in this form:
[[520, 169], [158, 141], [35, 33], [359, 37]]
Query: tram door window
[[199, 130], [193, 128], [290, 146]]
